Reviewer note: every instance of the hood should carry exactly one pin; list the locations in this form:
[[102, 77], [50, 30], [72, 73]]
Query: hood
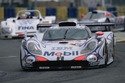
[[66, 49]]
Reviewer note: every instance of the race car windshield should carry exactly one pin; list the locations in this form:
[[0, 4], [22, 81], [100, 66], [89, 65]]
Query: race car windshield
[[93, 15], [65, 34]]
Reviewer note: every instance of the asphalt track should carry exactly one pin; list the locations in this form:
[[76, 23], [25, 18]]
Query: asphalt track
[[10, 71]]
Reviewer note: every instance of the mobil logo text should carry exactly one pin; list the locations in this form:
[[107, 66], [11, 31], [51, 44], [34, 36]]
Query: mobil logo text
[[64, 53]]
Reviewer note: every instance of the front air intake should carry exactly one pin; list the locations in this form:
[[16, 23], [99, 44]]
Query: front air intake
[[63, 42], [67, 24]]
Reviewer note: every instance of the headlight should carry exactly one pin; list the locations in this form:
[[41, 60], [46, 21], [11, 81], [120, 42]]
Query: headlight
[[89, 47], [34, 48]]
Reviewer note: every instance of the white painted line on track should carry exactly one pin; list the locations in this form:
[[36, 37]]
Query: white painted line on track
[[8, 57]]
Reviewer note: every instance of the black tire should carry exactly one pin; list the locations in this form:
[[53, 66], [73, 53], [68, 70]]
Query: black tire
[[113, 55], [124, 25], [23, 68], [106, 55]]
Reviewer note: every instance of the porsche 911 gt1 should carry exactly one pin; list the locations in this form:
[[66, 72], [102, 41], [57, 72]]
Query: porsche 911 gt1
[[67, 45]]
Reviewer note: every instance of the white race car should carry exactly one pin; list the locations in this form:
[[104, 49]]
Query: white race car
[[100, 16], [25, 21], [68, 45]]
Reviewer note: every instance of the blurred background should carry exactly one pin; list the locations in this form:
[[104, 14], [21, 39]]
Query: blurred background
[[63, 9]]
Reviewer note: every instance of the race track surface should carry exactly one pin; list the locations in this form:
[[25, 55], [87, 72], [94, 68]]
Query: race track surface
[[10, 70]]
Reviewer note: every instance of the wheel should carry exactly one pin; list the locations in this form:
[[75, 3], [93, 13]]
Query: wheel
[[106, 55], [24, 68], [21, 64], [124, 25], [113, 55]]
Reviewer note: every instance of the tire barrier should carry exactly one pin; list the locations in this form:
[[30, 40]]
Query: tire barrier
[[121, 10], [51, 11], [9, 11], [72, 12], [1, 13], [82, 11], [113, 10], [42, 10], [62, 13]]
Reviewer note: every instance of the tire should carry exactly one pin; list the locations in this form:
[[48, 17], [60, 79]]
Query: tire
[[21, 64], [106, 55], [113, 55], [124, 25]]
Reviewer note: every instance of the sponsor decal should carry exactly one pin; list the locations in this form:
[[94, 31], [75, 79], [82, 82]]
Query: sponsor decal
[[25, 27], [58, 54]]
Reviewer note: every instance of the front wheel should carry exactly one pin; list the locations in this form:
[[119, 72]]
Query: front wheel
[[124, 25], [21, 63], [106, 56]]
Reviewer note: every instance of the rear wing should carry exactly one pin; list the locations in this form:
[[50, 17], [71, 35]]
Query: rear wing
[[98, 24], [44, 26], [103, 26]]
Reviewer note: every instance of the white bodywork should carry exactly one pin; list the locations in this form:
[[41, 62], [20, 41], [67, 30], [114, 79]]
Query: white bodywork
[[16, 27], [62, 51], [100, 16]]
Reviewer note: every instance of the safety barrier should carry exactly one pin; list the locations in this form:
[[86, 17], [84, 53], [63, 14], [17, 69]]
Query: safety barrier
[[72, 12], [62, 12], [101, 8], [50, 11], [82, 11], [9, 12], [1, 13], [121, 10], [42, 10]]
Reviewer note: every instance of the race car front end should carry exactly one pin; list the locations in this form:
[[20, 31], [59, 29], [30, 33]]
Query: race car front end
[[7, 29], [62, 55], [67, 47]]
